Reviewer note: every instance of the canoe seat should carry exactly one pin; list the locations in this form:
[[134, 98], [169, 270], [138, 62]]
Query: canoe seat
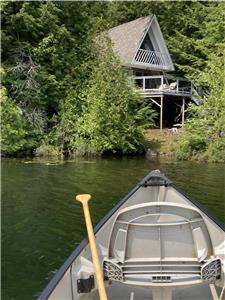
[[160, 242]]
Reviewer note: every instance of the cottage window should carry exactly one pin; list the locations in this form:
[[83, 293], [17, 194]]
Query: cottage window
[[147, 44]]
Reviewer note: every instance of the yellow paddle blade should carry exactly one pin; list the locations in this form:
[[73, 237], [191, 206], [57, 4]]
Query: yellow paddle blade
[[83, 198]]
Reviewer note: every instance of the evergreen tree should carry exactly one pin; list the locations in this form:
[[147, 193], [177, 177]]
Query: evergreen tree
[[108, 115], [43, 47], [205, 131]]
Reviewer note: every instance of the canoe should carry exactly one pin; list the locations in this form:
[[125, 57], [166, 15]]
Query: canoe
[[156, 243]]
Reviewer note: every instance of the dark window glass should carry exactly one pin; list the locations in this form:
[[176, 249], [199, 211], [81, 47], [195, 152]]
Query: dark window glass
[[147, 44]]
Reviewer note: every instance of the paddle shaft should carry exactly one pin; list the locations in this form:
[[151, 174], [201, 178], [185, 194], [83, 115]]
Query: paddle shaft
[[98, 271]]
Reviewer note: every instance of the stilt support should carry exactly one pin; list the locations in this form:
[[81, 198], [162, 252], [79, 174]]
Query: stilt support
[[161, 113], [183, 109]]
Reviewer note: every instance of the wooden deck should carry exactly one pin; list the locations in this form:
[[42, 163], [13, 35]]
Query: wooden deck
[[155, 86]]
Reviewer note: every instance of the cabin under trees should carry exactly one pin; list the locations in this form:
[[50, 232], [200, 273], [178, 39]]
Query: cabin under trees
[[140, 46]]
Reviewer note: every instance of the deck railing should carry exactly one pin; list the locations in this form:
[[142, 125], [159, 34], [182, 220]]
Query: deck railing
[[149, 85], [152, 58]]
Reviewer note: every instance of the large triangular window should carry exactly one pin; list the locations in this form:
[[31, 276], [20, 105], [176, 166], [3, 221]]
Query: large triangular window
[[152, 52]]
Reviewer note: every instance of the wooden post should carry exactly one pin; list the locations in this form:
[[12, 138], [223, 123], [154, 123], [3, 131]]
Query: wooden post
[[161, 114], [183, 109]]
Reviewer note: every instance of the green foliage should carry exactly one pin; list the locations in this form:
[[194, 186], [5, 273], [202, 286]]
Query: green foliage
[[65, 98], [110, 117], [216, 151], [41, 48], [205, 131], [48, 150], [12, 127]]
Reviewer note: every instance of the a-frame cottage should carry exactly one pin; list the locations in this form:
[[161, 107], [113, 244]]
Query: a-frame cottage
[[140, 46]]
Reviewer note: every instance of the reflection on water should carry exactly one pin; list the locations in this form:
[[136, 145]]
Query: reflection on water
[[42, 224]]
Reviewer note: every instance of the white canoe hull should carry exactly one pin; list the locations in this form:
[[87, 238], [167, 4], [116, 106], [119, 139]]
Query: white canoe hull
[[157, 243]]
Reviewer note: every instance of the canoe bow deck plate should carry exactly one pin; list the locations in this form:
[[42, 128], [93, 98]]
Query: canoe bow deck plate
[[157, 243]]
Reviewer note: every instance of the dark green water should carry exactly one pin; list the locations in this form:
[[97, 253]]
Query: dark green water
[[42, 224]]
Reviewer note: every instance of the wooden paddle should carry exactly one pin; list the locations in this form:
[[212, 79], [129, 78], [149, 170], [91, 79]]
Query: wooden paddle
[[98, 271]]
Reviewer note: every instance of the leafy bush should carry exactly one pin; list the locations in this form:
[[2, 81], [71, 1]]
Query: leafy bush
[[47, 150], [216, 151], [12, 127], [108, 115], [189, 146]]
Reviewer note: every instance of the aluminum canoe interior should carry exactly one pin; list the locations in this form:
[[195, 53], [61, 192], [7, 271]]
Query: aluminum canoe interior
[[156, 243]]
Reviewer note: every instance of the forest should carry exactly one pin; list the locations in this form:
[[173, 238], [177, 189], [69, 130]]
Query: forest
[[62, 94]]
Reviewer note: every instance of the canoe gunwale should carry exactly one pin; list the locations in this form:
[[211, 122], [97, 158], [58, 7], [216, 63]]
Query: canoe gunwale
[[144, 183], [201, 207], [62, 270]]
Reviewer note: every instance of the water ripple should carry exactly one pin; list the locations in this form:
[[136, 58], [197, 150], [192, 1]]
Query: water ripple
[[42, 223]]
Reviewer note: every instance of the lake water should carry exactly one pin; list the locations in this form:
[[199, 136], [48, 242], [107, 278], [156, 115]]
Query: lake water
[[42, 224]]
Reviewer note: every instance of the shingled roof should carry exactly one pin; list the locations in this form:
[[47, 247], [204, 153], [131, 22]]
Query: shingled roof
[[126, 37], [127, 41]]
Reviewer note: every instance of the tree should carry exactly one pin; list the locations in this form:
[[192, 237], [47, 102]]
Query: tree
[[12, 128], [205, 131], [42, 54], [108, 115]]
